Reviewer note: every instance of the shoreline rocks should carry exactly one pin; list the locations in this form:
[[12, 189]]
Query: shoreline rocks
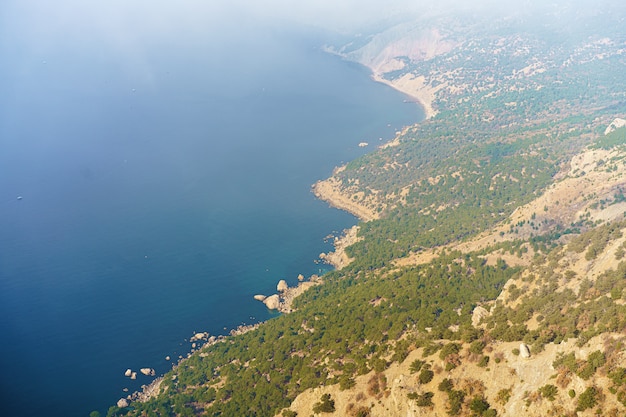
[[338, 258], [199, 336], [272, 302], [282, 286], [282, 301]]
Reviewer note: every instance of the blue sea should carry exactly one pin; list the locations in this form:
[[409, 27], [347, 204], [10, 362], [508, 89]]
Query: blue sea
[[149, 193]]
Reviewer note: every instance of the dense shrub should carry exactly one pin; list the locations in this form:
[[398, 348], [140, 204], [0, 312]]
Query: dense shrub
[[326, 405], [426, 376], [422, 400], [587, 399], [549, 391]]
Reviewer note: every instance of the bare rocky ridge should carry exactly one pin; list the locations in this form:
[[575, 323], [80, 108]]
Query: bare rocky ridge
[[583, 184]]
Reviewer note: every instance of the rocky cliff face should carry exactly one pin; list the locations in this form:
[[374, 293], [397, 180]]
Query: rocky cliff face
[[395, 48]]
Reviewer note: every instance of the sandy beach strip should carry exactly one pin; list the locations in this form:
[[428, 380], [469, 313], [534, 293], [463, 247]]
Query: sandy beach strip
[[415, 88]]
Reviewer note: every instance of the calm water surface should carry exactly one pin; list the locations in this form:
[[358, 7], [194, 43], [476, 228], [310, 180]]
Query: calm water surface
[[158, 197]]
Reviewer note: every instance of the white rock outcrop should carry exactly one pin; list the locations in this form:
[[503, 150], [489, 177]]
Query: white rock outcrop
[[272, 302], [524, 351], [122, 403], [260, 297], [147, 371], [478, 314], [615, 124], [128, 372], [282, 286]]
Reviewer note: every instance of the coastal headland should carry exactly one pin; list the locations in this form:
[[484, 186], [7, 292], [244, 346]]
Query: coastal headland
[[329, 190]]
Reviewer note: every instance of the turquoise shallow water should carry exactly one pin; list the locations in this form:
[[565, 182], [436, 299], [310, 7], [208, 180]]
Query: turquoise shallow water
[[157, 205]]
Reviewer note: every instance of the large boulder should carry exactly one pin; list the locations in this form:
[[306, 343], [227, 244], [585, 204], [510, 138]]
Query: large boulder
[[128, 372], [122, 403], [478, 314], [199, 336], [272, 302], [282, 286], [260, 297], [615, 124], [147, 371], [524, 351]]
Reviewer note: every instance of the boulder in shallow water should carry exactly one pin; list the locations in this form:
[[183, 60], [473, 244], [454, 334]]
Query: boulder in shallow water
[[147, 371], [300, 277], [122, 403], [133, 375], [272, 302], [199, 336], [260, 297], [282, 286], [128, 372]]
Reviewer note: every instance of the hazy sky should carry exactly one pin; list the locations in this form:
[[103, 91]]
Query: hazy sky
[[161, 18], [34, 27]]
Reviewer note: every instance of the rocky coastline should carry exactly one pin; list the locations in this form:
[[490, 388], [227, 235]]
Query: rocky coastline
[[283, 299], [200, 341], [329, 190], [339, 258]]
